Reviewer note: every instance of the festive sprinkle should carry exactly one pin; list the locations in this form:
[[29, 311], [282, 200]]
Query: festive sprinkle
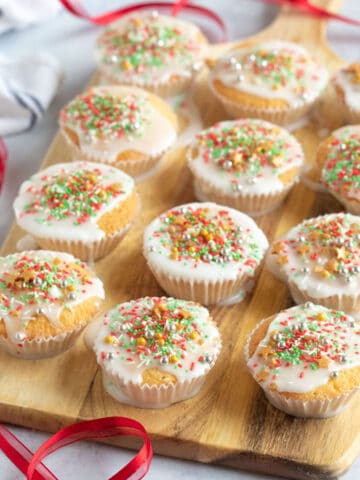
[[341, 172], [78, 194], [106, 116], [159, 330], [201, 235], [147, 45], [250, 150], [277, 67], [303, 339], [327, 246]]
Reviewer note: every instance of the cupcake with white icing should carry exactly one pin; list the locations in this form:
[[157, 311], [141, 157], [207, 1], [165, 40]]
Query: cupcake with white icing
[[338, 158], [83, 208], [155, 351], [276, 81], [246, 164], [155, 52], [307, 360], [47, 298], [204, 252], [347, 86], [126, 127], [320, 261]]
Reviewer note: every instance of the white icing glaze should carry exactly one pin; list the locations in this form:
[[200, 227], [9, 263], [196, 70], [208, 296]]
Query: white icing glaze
[[154, 137], [295, 90], [36, 221], [300, 270], [257, 175], [26, 298], [341, 169], [189, 50], [351, 89], [128, 361], [334, 339], [251, 246]]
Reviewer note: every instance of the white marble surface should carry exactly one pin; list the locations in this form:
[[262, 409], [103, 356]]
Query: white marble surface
[[71, 40]]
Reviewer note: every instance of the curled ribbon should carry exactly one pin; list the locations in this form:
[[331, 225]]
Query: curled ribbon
[[3, 159], [77, 9], [31, 464]]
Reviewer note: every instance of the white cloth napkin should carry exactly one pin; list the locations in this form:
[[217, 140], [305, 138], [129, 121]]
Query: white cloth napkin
[[27, 86], [17, 14]]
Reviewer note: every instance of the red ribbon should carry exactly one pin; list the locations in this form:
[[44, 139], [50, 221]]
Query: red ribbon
[[31, 464], [3, 159], [77, 9]]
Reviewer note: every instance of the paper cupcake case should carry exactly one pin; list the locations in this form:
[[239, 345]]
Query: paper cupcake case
[[254, 205], [346, 303], [132, 167], [85, 251], [207, 292], [42, 348], [323, 408], [280, 117], [174, 86]]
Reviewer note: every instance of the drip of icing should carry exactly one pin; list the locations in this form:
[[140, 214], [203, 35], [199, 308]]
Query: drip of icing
[[151, 134], [146, 48], [185, 106], [304, 347], [173, 335], [321, 256], [243, 157], [45, 283], [27, 242], [66, 200], [203, 241], [273, 70]]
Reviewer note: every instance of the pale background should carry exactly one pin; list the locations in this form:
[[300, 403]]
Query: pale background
[[71, 41]]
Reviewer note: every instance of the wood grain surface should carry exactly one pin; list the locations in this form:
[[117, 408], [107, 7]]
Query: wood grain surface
[[229, 422]]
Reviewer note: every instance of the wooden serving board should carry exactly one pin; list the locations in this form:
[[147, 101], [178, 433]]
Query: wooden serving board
[[229, 422]]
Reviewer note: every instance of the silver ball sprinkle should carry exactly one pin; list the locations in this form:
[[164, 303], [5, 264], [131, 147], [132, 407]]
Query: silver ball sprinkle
[[206, 258], [40, 311], [164, 360], [277, 337], [240, 78], [305, 270], [325, 341], [301, 239], [343, 358], [114, 59], [197, 67], [187, 236], [227, 258], [252, 180], [252, 57], [71, 296], [343, 146], [348, 279], [152, 248], [166, 220], [109, 356], [281, 344], [160, 43], [236, 187], [123, 327], [357, 236], [37, 281], [356, 269], [219, 260], [238, 67], [294, 327], [232, 61], [182, 210], [136, 125], [351, 323], [334, 374], [264, 63], [307, 304], [302, 326], [20, 336], [63, 283], [227, 164]]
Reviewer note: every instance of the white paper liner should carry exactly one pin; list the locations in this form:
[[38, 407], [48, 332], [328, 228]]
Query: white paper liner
[[345, 303], [310, 408], [206, 292], [174, 86], [85, 251], [283, 116], [253, 205], [42, 347], [133, 167], [313, 408], [145, 396]]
